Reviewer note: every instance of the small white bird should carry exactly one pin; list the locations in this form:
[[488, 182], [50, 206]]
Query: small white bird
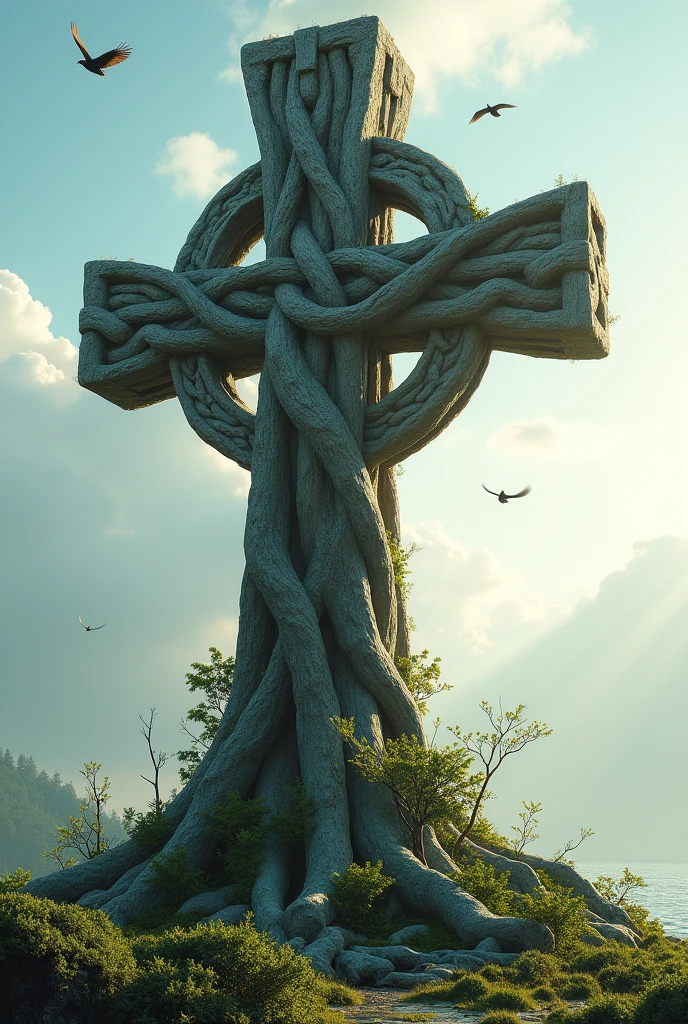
[[490, 110], [503, 498], [90, 629]]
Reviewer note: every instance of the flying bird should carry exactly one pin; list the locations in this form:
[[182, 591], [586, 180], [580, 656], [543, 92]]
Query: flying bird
[[89, 629], [503, 498], [106, 60], [486, 110]]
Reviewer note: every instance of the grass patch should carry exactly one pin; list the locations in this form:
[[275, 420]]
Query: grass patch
[[506, 999], [501, 1017], [577, 986], [544, 994], [337, 993]]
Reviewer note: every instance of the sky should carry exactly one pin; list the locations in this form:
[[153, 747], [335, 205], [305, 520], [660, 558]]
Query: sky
[[571, 601]]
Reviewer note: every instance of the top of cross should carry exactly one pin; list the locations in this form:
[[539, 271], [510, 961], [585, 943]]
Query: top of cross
[[331, 106]]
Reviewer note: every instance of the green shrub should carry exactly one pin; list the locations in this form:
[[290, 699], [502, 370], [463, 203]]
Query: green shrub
[[176, 878], [500, 1017], [151, 830], [609, 1010], [58, 955], [665, 1001], [577, 986], [481, 880], [360, 895], [437, 936], [593, 960], [559, 1015], [468, 988], [166, 993], [625, 979], [492, 972], [336, 993], [240, 826], [507, 999], [267, 982], [533, 967], [559, 909], [544, 994], [14, 881]]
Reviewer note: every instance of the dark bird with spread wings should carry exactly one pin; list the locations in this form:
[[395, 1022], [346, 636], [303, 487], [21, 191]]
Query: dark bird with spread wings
[[106, 60], [90, 629], [503, 498], [490, 110]]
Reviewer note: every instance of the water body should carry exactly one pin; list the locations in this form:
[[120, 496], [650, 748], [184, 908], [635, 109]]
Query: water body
[[666, 896]]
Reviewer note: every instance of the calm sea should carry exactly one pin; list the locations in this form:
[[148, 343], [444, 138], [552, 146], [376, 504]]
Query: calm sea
[[666, 896]]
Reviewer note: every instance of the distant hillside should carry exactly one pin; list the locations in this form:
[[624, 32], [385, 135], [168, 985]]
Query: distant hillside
[[32, 806]]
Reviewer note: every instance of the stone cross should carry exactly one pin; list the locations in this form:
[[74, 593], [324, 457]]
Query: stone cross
[[322, 620]]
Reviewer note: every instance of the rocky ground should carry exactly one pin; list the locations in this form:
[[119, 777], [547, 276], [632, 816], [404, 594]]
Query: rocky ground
[[383, 1006]]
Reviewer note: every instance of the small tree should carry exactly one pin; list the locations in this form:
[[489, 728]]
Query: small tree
[[525, 832], [85, 833], [158, 758], [421, 678], [429, 785], [510, 734], [572, 844], [215, 681], [618, 890]]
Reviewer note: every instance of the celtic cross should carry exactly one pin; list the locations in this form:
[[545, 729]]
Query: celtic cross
[[321, 617]]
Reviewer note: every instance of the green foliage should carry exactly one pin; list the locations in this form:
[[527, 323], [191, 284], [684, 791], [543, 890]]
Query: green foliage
[[478, 212], [54, 952], [533, 967], [422, 679], [151, 829], [360, 896], [577, 986], [525, 832], [176, 878], [85, 833], [506, 999], [295, 821], [492, 972], [609, 1010], [625, 979], [509, 733], [619, 890], [481, 880], [593, 961], [559, 1015], [240, 827], [337, 993], [14, 881], [558, 908], [268, 983], [400, 557], [544, 994], [437, 936], [167, 993], [468, 988], [665, 1001], [215, 681], [428, 784]]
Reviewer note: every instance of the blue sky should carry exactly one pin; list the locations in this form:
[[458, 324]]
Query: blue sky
[[130, 519]]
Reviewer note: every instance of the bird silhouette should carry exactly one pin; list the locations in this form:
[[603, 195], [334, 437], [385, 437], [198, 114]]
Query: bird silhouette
[[503, 498], [90, 629], [106, 60], [489, 110]]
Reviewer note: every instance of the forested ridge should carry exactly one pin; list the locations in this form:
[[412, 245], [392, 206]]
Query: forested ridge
[[32, 806]]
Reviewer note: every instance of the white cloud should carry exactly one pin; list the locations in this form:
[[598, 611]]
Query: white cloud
[[439, 38], [240, 479], [29, 351], [466, 602], [196, 164], [548, 437]]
